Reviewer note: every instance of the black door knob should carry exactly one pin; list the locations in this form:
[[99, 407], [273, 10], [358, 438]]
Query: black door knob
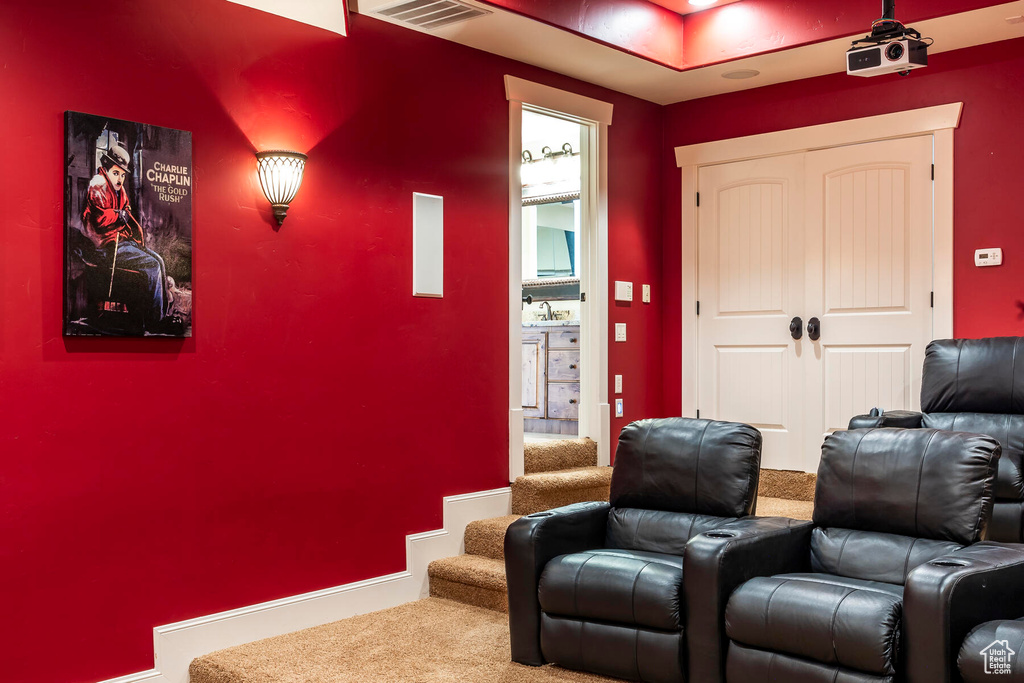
[[814, 329], [796, 327]]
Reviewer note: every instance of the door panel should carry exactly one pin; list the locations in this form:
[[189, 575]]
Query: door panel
[[534, 374], [869, 266], [751, 248], [750, 280], [751, 384], [859, 376]]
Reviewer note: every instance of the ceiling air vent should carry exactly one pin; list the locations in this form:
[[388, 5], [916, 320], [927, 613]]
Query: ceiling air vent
[[430, 14]]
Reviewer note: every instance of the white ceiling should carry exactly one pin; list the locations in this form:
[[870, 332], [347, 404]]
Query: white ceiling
[[526, 40], [327, 14]]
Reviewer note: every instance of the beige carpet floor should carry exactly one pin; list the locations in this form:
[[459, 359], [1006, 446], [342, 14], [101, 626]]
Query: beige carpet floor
[[427, 641], [781, 507]]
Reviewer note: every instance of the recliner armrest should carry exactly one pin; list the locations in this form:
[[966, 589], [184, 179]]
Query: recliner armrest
[[947, 597], [903, 419], [716, 562], [530, 543]]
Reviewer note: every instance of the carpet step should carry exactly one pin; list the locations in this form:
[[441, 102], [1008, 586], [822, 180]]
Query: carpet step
[[559, 454], [787, 484], [470, 579], [486, 537], [545, 490]]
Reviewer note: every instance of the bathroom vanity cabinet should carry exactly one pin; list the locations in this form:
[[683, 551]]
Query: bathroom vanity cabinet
[[551, 377]]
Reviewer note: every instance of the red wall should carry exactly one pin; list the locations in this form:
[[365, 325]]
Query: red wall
[[320, 412], [988, 175]]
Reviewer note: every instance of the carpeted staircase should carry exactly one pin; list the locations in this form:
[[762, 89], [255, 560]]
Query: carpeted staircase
[[558, 472]]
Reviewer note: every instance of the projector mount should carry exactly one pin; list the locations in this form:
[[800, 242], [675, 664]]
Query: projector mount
[[886, 29]]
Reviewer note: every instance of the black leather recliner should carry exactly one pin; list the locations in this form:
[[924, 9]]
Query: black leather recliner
[[599, 586], [975, 385], [887, 583]]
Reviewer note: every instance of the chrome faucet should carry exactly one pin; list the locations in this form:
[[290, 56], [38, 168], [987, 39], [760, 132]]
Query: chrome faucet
[[547, 315]]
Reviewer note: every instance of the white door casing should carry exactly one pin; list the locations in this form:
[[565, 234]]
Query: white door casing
[[938, 121], [595, 117]]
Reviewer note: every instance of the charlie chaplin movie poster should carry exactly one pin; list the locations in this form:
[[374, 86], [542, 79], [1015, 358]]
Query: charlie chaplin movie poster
[[127, 229]]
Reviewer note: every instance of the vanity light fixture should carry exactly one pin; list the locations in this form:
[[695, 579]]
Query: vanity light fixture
[[280, 174]]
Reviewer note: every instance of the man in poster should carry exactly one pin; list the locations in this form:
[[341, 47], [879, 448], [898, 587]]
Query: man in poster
[[127, 228], [111, 227]]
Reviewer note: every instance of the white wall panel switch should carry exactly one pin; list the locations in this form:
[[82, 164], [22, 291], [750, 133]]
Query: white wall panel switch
[[623, 291], [646, 294], [618, 407], [620, 332], [618, 384], [988, 257]]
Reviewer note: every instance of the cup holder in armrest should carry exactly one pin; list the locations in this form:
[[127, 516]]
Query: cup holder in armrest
[[948, 563], [720, 534]]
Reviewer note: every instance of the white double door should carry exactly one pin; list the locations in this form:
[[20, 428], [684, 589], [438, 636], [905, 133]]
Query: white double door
[[842, 236]]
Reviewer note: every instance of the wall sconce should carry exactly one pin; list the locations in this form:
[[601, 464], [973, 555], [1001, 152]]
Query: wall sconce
[[280, 176]]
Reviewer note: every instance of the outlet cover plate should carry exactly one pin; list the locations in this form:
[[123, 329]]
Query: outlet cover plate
[[620, 332]]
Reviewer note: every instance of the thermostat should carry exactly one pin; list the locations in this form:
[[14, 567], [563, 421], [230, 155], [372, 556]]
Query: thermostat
[[988, 257]]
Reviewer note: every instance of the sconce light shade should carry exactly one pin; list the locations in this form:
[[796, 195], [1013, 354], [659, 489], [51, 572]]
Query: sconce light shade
[[280, 176]]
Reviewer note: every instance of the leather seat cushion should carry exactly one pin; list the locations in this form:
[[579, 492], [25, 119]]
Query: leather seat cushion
[[629, 652], [829, 619], [1003, 642], [750, 665], [657, 531], [871, 555], [621, 586]]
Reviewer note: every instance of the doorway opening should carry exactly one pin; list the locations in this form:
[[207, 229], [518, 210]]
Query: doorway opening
[[591, 119], [552, 270]]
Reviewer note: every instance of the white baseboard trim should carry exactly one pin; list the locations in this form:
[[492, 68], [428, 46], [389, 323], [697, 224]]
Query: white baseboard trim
[[176, 645]]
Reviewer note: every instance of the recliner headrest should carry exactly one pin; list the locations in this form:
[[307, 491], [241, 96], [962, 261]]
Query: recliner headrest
[[974, 376], [923, 483], [685, 465]]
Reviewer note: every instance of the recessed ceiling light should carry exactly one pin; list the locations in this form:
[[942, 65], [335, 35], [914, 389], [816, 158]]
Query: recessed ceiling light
[[702, 3], [740, 74]]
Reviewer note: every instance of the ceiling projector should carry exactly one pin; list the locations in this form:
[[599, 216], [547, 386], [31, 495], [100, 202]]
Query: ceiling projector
[[891, 47]]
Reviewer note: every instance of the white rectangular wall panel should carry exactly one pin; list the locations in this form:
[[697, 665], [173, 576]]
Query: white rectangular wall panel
[[427, 245]]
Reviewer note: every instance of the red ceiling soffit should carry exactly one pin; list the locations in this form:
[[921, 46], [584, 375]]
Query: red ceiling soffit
[[721, 34]]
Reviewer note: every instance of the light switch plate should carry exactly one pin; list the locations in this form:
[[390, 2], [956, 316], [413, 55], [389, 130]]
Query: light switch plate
[[988, 257], [645, 295], [623, 291], [618, 384], [618, 407], [620, 332]]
